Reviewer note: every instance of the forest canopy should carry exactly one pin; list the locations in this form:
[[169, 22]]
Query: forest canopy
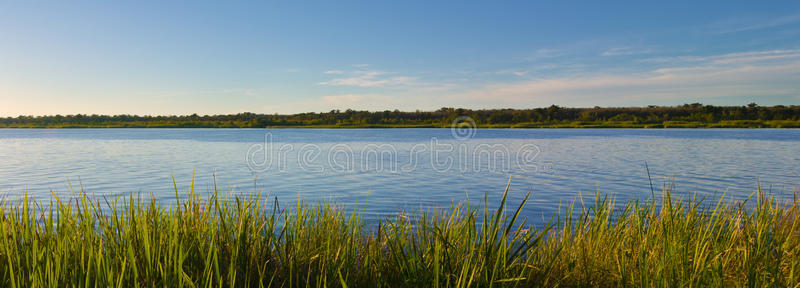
[[688, 115]]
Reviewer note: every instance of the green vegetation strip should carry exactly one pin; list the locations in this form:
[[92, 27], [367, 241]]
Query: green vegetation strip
[[685, 116], [247, 242]]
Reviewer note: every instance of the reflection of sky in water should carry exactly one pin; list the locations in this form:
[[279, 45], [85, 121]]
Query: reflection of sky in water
[[115, 161]]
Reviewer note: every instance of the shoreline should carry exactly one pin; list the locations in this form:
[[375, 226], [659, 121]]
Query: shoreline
[[762, 125]]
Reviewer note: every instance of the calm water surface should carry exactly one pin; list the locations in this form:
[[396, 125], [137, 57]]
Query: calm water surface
[[386, 171]]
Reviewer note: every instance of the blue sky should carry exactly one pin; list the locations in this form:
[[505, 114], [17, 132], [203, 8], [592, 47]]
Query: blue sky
[[286, 57]]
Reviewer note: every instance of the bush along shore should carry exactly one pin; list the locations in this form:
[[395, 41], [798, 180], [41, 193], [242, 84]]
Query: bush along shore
[[693, 115], [216, 241]]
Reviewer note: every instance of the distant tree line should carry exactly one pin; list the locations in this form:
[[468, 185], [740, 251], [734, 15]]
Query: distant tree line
[[687, 115]]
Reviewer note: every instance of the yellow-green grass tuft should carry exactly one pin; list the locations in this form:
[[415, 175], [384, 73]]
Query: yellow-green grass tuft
[[229, 241]]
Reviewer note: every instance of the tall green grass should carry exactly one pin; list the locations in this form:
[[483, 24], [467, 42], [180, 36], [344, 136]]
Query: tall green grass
[[226, 241]]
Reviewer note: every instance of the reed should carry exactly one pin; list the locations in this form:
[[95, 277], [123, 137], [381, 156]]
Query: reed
[[230, 241]]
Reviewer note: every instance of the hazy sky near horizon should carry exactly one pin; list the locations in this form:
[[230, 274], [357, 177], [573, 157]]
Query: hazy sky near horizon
[[142, 57]]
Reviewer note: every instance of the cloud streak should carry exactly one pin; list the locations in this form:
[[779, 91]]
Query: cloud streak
[[545, 53], [742, 77], [739, 25], [371, 102], [754, 74], [366, 78], [622, 51], [740, 57]]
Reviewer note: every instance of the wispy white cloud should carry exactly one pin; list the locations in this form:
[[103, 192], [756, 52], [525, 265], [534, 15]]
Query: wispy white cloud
[[367, 78], [739, 57], [723, 78], [747, 74], [333, 72], [371, 102], [618, 51], [512, 72], [545, 53], [348, 100], [750, 24], [757, 56]]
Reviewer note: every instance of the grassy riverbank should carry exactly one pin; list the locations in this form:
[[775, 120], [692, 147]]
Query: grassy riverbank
[[224, 241], [685, 116], [549, 124]]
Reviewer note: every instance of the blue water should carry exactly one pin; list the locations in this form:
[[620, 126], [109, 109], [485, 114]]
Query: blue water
[[386, 171]]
